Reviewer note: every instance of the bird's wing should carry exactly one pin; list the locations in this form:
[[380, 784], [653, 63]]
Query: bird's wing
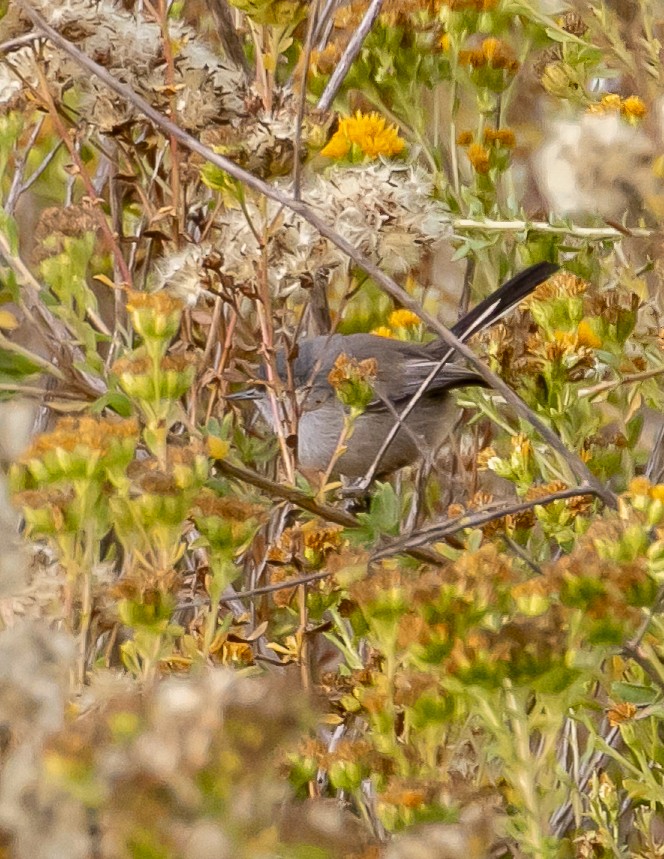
[[449, 377]]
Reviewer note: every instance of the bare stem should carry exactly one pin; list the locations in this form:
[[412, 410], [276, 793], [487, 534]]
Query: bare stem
[[349, 55], [451, 526]]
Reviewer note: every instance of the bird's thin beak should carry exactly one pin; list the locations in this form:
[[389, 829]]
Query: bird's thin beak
[[254, 392]]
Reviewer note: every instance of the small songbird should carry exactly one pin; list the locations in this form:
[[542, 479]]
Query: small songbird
[[401, 368]]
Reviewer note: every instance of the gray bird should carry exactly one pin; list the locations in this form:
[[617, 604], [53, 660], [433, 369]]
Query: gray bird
[[402, 368]]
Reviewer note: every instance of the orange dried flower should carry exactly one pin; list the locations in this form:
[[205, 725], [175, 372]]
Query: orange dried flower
[[479, 157], [633, 107], [502, 136], [498, 55], [621, 712]]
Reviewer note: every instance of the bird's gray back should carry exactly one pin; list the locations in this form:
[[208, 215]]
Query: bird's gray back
[[401, 366]]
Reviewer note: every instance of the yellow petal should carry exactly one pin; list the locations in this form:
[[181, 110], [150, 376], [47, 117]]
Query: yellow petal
[[8, 322]]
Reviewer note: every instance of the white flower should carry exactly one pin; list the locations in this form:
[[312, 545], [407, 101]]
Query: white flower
[[130, 47], [180, 273], [387, 213]]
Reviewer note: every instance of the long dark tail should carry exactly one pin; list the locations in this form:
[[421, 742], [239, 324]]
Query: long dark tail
[[500, 302]]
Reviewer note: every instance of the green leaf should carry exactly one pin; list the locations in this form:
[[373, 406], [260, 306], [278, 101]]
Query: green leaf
[[119, 403], [15, 367], [9, 229], [383, 516], [634, 693]]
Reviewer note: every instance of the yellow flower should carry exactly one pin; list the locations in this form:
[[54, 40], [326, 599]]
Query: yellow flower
[[383, 331], [324, 62], [633, 108], [498, 55], [478, 156], [464, 138], [337, 147], [368, 132], [502, 136], [403, 318], [586, 336], [639, 486], [611, 102], [657, 492], [624, 711], [521, 444], [483, 457]]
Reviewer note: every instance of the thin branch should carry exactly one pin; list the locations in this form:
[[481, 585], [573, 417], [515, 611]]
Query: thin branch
[[325, 23], [160, 14], [17, 185], [37, 172], [562, 818], [81, 171], [657, 606], [400, 418], [39, 393], [18, 42], [519, 550], [470, 225], [45, 365], [610, 385], [53, 331], [256, 592], [349, 55], [305, 502], [475, 520], [576, 465], [287, 493], [306, 55]]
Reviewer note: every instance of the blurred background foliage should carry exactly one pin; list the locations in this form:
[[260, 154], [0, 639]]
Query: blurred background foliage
[[203, 652]]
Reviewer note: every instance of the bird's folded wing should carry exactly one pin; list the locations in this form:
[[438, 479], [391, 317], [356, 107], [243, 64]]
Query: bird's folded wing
[[449, 377]]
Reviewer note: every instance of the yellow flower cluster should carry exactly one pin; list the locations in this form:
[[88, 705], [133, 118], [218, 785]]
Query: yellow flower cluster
[[366, 131], [492, 53], [498, 136], [642, 486], [400, 321], [324, 62], [631, 108], [563, 284], [586, 336], [567, 343], [479, 157]]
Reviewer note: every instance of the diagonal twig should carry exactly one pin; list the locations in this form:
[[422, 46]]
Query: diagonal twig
[[259, 591], [400, 418], [52, 330], [349, 55], [444, 529], [576, 465], [306, 55], [306, 502]]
